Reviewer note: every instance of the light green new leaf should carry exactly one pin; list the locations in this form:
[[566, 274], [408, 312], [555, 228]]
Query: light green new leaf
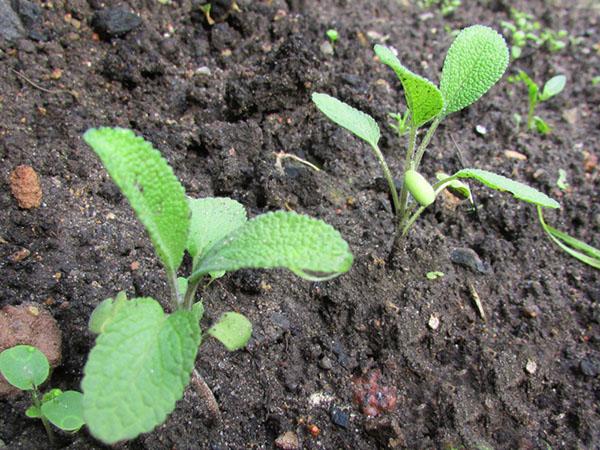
[[33, 412], [501, 183], [553, 86], [212, 220], [475, 62], [138, 369], [233, 330], [308, 247], [149, 184], [357, 122], [532, 87], [65, 411], [423, 98], [24, 366], [105, 312]]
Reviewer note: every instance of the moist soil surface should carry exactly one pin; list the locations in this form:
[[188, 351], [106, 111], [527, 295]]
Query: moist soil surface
[[220, 101]]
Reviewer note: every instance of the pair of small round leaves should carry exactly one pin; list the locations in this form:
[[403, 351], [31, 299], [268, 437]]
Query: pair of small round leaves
[[419, 187]]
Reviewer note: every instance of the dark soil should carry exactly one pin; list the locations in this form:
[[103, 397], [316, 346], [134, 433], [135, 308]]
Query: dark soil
[[219, 101]]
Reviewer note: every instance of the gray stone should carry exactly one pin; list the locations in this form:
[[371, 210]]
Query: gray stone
[[11, 27]]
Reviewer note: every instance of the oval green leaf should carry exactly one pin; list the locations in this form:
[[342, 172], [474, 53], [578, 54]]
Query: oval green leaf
[[357, 122], [24, 366], [148, 182], [233, 330], [138, 369], [475, 62], [423, 98], [308, 247], [419, 187], [553, 86], [501, 183], [65, 411]]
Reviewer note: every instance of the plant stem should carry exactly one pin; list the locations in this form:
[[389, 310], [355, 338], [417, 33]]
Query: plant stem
[[388, 177], [176, 299], [190, 293], [206, 396], [38, 405], [412, 142], [530, 112], [426, 140]]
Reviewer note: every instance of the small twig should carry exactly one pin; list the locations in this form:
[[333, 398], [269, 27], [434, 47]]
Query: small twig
[[282, 155], [43, 89], [206, 396], [477, 300]]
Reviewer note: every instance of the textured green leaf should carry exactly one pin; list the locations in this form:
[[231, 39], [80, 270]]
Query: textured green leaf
[[308, 247], [148, 182], [233, 330], [553, 86], [104, 313], [24, 366], [65, 411], [501, 183], [475, 62], [357, 122], [423, 98], [212, 220], [138, 369]]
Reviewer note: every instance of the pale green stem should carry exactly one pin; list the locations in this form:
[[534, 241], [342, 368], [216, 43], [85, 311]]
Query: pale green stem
[[388, 177], [190, 293], [412, 142], [530, 112], [176, 298], [38, 405], [425, 141]]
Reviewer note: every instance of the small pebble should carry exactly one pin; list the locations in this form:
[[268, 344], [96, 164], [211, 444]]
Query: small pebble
[[531, 311], [19, 255], [25, 187], [113, 22], [325, 363], [326, 48], [468, 258], [589, 367], [480, 129], [434, 322], [512, 154], [287, 441], [339, 417], [531, 367]]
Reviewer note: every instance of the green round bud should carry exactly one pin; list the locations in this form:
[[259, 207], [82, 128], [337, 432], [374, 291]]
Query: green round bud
[[419, 187]]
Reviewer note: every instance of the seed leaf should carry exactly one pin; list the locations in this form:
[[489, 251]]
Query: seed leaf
[[212, 220], [105, 312], [24, 366], [149, 184], [501, 183], [475, 62], [65, 411], [233, 330], [308, 247], [553, 86], [138, 369], [357, 122], [423, 98]]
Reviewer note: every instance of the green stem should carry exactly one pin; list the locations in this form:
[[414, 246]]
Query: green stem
[[38, 404], [176, 298], [388, 177], [530, 113], [412, 142], [190, 293], [426, 140]]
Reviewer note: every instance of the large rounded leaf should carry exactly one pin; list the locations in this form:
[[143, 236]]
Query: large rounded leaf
[[24, 366]]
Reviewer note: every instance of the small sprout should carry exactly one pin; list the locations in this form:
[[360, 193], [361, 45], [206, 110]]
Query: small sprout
[[434, 275], [552, 87], [402, 125], [596, 80], [332, 35], [27, 368], [445, 7], [143, 358]]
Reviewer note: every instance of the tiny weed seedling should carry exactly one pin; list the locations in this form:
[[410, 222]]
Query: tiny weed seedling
[[332, 35], [475, 62], [143, 357], [27, 368], [445, 7], [552, 87], [401, 123]]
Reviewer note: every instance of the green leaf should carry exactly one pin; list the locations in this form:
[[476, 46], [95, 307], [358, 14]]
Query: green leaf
[[212, 220], [105, 312], [24, 366], [33, 412], [148, 182], [475, 62], [308, 247], [561, 182], [233, 330], [553, 86], [434, 275], [501, 183], [423, 98], [456, 186], [532, 88], [357, 122], [138, 369], [572, 246], [65, 411], [541, 125], [51, 394], [198, 310]]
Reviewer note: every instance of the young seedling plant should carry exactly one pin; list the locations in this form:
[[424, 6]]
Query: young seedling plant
[[475, 62], [143, 357], [27, 368], [552, 87]]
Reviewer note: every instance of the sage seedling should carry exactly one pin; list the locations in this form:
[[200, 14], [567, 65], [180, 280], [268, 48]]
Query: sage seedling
[[27, 368], [143, 357], [475, 61], [552, 87]]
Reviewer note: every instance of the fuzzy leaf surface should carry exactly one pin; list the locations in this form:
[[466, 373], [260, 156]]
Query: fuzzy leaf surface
[[65, 410], [423, 98], [24, 366], [148, 182], [310, 248], [138, 369], [357, 122], [233, 330], [475, 62], [501, 183], [212, 220]]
